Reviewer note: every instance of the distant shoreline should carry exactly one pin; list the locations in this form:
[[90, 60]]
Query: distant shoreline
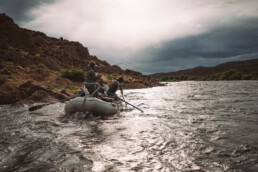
[[238, 70]]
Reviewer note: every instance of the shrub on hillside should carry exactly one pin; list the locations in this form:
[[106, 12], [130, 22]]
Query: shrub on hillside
[[172, 79], [192, 78], [42, 66], [10, 63], [254, 75], [165, 78], [109, 76], [76, 75], [184, 77], [227, 74], [214, 77], [23, 68], [5, 71], [50, 86], [73, 88], [2, 80], [246, 77], [236, 76]]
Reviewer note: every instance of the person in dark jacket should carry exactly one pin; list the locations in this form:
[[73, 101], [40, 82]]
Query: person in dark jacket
[[91, 78], [115, 84]]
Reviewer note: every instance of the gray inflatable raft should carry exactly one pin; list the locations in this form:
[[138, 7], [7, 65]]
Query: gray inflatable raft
[[91, 104]]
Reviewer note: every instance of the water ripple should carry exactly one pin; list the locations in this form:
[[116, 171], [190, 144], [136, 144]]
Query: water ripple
[[186, 126]]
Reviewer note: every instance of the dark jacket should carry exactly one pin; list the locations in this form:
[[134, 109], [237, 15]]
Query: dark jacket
[[113, 87], [91, 76]]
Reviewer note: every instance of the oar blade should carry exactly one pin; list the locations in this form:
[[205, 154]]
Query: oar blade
[[33, 108]]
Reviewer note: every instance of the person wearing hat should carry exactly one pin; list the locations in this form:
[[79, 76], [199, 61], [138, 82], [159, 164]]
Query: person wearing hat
[[91, 78], [115, 84]]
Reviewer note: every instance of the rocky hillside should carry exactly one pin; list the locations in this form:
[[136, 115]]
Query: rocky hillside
[[32, 66], [238, 70]]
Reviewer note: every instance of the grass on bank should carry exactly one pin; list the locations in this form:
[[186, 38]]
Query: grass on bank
[[227, 75], [42, 66], [61, 89], [2, 80], [76, 75]]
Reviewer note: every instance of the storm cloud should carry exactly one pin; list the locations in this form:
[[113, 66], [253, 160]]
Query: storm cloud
[[19, 9], [235, 41]]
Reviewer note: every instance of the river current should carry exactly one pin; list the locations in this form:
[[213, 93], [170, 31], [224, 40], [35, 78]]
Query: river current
[[186, 126]]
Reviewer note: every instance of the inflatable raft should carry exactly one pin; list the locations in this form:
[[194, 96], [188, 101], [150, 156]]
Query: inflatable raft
[[91, 104]]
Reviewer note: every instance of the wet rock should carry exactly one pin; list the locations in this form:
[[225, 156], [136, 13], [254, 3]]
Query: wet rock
[[27, 92], [41, 96], [28, 88], [38, 96], [8, 94], [132, 72], [57, 95]]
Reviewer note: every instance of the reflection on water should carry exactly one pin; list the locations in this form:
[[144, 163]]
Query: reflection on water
[[186, 126]]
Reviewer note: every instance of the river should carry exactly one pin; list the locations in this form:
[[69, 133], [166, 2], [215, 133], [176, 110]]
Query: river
[[186, 126]]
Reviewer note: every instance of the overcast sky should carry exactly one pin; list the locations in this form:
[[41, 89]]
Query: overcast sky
[[148, 35]]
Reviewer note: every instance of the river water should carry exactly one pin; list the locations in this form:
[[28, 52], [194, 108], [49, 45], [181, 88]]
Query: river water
[[186, 126]]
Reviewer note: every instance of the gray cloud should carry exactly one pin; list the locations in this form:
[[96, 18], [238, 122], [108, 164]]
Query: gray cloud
[[148, 35], [235, 41], [18, 9]]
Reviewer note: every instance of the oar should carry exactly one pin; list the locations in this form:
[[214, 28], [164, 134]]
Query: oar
[[124, 100], [121, 99], [42, 105]]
